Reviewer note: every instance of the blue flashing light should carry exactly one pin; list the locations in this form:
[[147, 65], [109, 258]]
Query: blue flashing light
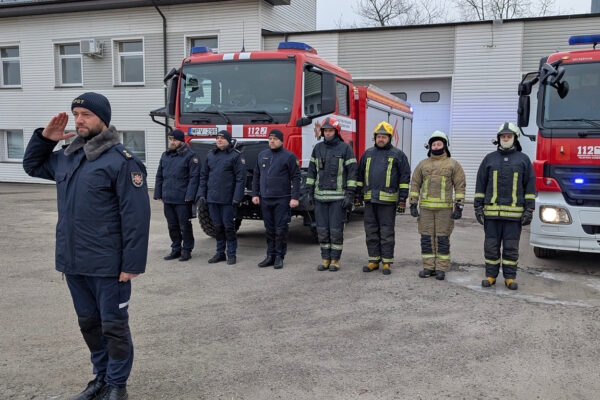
[[411, 109], [579, 181], [294, 46], [200, 49], [584, 39]]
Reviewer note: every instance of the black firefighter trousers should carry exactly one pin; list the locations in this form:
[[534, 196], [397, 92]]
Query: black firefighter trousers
[[380, 220], [506, 234]]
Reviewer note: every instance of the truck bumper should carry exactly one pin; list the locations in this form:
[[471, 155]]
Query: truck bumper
[[565, 236]]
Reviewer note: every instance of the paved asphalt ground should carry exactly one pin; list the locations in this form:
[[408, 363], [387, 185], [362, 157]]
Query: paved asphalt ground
[[239, 332]]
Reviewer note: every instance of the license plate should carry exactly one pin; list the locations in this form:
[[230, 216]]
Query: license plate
[[203, 131]]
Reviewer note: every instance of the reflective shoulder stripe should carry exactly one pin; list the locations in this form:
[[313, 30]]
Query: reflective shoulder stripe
[[350, 161], [405, 186], [478, 195]]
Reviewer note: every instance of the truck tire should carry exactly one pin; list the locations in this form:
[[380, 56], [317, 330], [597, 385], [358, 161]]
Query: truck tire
[[541, 252], [205, 221]]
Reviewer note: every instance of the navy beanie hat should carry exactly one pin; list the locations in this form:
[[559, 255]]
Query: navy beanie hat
[[96, 103], [178, 135], [277, 133], [225, 134]]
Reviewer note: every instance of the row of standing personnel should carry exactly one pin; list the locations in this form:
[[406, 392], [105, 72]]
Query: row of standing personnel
[[104, 212]]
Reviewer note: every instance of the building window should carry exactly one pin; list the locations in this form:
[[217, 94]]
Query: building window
[[70, 64], [400, 95], [430, 97], [11, 66], [130, 62], [342, 98], [14, 145], [212, 42], [135, 141]]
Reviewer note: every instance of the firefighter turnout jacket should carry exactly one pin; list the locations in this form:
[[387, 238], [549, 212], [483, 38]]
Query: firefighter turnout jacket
[[384, 175], [434, 181], [505, 185], [332, 170]]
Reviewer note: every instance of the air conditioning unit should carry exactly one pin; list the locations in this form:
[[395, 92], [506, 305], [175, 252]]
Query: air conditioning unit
[[91, 47]]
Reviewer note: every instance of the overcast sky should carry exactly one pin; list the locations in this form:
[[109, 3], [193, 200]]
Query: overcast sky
[[330, 11]]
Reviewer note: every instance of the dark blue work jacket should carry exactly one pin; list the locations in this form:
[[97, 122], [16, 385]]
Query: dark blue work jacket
[[223, 176], [276, 174], [178, 176], [103, 207]]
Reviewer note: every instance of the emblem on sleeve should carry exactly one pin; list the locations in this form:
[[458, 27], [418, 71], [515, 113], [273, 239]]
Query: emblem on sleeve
[[137, 179]]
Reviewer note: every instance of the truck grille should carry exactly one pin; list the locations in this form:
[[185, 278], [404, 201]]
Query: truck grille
[[584, 194]]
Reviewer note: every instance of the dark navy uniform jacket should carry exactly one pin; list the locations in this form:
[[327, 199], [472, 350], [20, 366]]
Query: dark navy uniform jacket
[[103, 208], [223, 176], [178, 176], [276, 174], [505, 185]]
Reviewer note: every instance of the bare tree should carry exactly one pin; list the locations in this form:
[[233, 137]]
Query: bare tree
[[503, 9], [401, 12], [380, 12]]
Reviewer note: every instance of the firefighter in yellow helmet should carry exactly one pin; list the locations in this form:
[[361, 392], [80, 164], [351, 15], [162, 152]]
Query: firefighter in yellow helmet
[[438, 188], [383, 177]]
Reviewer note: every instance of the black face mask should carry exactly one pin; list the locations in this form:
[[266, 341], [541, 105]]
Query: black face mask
[[437, 152]]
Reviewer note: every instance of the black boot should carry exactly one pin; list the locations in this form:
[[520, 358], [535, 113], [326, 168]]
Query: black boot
[[426, 273], [185, 255], [231, 260], [217, 258], [92, 390], [267, 262], [440, 275], [113, 393], [278, 264], [174, 254]]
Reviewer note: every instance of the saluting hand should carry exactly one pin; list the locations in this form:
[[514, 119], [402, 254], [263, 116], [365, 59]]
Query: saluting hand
[[55, 130]]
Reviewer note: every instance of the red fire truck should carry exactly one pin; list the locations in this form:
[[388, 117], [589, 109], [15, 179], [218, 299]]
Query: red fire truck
[[567, 164], [291, 89]]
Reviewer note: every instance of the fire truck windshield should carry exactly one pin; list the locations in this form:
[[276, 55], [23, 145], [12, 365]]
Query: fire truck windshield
[[237, 92], [581, 106]]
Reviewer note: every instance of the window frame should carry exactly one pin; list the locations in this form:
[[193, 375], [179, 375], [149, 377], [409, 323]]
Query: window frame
[[135, 131], [117, 55], [60, 68], [7, 45], [346, 112], [399, 95], [187, 41], [439, 96], [5, 155]]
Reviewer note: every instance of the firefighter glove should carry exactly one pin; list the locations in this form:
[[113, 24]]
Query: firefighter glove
[[348, 202], [413, 210], [457, 214], [527, 217], [479, 215], [401, 207]]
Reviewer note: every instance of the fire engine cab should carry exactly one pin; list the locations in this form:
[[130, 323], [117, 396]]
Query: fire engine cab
[[291, 89]]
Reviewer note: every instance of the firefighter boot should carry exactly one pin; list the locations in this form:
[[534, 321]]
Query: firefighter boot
[[324, 266], [334, 265], [371, 267], [426, 273], [386, 269], [440, 275], [511, 284], [488, 281]]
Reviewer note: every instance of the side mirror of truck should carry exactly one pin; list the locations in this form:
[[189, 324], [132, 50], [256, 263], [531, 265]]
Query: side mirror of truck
[[172, 96], [328, 93], [523, 111], [563, 89]]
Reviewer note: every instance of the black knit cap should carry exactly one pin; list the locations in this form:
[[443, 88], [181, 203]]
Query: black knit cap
[[277, 133], [96, 103], [178, 135], [225, 134]]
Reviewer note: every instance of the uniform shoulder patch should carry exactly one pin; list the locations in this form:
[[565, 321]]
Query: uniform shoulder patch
[[137, 179], [124, 152]]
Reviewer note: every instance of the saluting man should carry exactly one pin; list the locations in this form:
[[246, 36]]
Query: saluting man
[[276, 187], [222, 183], [383, 177], [102, 232], [176, 186]]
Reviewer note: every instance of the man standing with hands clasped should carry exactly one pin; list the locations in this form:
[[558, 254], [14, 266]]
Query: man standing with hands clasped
[[177, 181], [102, 232], [276, 187]]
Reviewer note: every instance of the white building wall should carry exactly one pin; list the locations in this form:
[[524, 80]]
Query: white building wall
[[484, 91], [300, 15]]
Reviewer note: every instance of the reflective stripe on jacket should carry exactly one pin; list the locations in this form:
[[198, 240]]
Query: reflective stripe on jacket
[[505, 185], [438, 182], [384, 174]]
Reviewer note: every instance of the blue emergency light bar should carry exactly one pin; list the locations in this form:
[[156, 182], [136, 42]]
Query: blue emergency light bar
[[584, 39], [294, 46], [579, 181], [200, 49]]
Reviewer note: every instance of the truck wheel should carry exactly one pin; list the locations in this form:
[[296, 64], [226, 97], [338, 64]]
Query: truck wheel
[[541, 252], [205, 221]]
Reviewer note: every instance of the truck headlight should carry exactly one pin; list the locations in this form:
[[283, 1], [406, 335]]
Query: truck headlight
[[554, 215]]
